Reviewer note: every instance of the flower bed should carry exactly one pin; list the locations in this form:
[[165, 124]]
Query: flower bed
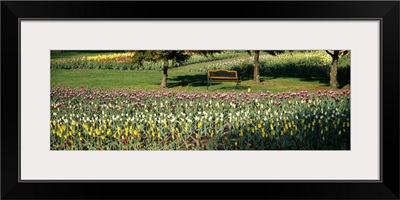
[[116, 119]]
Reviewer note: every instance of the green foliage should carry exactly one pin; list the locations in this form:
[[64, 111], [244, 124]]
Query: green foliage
[[91, 61], [141, 56]]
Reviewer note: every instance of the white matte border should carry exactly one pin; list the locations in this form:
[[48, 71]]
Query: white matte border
[[38, 37]]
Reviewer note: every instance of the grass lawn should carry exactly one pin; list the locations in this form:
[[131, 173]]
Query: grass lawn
[[177, 80]]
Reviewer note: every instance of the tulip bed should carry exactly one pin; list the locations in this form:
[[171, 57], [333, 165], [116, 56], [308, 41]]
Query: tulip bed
[[121, 119]]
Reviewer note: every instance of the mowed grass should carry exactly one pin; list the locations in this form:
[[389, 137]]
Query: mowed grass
[[105, 78], [178, 79]]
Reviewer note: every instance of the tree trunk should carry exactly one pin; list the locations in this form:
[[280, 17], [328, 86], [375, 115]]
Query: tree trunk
[[334, 70], [164, 74], [256, 67]]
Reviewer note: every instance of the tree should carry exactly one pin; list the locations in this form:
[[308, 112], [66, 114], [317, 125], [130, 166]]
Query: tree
[[165, 57], [257, 62], [257, 66], [334, 66]]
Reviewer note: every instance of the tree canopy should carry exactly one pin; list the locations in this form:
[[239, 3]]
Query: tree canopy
[[165, 56]]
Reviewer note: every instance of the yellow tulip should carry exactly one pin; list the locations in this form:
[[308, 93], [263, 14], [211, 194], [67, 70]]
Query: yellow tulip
[[136, 133], [199, 124], [186, 127]]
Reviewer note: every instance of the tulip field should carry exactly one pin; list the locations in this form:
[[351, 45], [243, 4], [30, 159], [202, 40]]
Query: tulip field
[[132, 119]]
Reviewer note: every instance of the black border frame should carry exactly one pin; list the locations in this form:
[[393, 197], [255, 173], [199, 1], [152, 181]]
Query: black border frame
[[215, 181], [386, 11]]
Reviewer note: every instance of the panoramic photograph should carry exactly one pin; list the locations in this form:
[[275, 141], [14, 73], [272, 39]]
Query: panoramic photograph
[[199, 100]]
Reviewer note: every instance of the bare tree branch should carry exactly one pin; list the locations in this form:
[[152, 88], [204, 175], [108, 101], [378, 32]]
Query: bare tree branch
[[329, 53], [343, 53]]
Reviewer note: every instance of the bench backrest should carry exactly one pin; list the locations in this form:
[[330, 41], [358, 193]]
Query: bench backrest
[[222, 74]]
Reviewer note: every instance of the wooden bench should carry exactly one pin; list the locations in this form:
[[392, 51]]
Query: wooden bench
[[222, 75]]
